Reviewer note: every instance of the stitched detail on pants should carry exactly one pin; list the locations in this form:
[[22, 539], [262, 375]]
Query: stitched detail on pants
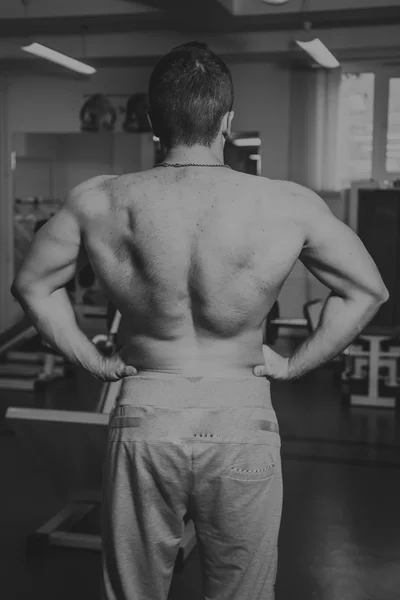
[[252, 470]]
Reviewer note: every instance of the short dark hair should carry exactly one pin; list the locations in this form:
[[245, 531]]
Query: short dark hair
[[190, 91]]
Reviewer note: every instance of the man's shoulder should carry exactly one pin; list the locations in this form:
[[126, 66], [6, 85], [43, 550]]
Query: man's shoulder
[[282, 195], [292, 190], [89, 195], [301, 199], [94, 184]]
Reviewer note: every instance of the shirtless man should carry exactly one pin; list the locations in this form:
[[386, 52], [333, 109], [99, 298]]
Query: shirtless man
[[194, 255]]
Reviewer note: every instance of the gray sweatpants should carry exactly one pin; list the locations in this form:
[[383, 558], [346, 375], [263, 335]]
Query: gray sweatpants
[[219, 465]]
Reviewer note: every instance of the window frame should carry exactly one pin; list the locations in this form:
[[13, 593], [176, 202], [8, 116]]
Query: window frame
[[383, 74]]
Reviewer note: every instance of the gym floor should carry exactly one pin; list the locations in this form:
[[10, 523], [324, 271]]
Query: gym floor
[[340, 531]]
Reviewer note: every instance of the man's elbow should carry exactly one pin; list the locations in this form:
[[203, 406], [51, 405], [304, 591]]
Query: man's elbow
[[386, 296], [14, 289], [382, 295], [19, 289]]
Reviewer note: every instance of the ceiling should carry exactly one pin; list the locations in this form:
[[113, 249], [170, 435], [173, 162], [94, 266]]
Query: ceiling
[[354, 29], [55, 17]]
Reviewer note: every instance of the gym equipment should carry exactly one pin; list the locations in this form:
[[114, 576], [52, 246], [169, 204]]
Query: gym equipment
[[90, 304], [270, 330], [88, 299], [374, 213], [30, 214], [289, 322], [372, 352], [72, 445], [17, 376], [27, 370], [372, 359], [91, 318], [136, 114], [21, 331], [97, 114], [312, 313], [274, 321]]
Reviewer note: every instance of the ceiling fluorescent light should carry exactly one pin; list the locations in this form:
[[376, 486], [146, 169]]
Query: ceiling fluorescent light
[[320, 53], [60, 59]]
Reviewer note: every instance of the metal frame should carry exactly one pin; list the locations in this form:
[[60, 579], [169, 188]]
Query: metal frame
[[53, 533], [25, 334], [29, 368], [376, 358], [30, 357], [356, 358]]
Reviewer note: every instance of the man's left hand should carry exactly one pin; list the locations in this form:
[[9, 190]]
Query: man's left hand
[[274, 367]]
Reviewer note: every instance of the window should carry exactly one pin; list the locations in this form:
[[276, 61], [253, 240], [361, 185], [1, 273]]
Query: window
[[355, 127], [393, 129]]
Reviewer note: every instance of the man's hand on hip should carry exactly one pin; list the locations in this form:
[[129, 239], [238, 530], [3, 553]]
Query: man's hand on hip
[[275, 366], [113, 368]]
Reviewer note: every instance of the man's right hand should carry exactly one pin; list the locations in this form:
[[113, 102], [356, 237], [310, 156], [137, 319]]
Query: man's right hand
[[113, 368]]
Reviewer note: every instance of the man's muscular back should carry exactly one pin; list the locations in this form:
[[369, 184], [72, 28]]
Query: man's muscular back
[[193, 260]]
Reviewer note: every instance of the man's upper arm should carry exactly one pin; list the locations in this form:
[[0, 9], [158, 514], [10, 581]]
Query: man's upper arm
[[334, 253], [56, 252]]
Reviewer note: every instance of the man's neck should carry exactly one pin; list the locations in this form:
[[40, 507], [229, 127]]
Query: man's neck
[[201, 155]]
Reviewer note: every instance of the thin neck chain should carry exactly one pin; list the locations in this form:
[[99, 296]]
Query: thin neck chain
[[176, 165]]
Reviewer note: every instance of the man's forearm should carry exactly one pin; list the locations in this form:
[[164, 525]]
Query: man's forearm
[[342, 320], [54, 318]]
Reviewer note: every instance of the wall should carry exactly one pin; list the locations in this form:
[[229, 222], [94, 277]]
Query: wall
[[35, 156], [51, 164], [262, 102]]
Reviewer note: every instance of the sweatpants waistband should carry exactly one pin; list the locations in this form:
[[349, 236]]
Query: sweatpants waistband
[[171, 391]]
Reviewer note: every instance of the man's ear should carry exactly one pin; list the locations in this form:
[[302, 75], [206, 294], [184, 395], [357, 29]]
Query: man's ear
[[231, 114], [226, 125]]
